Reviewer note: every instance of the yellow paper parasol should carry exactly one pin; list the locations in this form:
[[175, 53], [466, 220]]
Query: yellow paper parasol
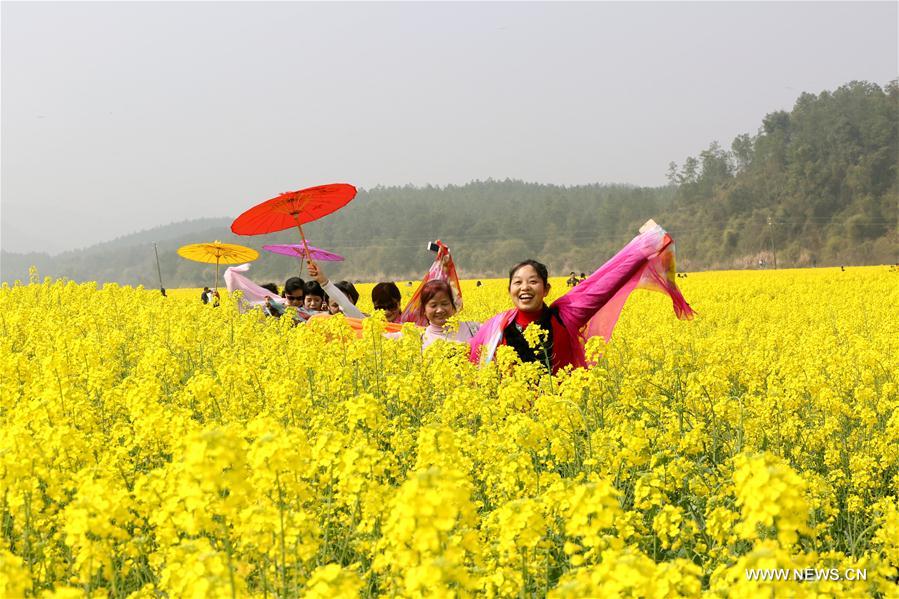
[[218, 253]]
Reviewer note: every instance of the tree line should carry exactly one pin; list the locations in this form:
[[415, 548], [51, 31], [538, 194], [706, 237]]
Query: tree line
[[813, 186]]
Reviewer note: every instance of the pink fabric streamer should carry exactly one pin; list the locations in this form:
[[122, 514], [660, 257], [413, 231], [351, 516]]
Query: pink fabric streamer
[[592, 308], [253, 294]]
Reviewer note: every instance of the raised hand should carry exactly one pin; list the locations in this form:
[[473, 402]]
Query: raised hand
[[317, 273]]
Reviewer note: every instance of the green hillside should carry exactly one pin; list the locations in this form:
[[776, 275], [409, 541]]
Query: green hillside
[[812, 187]]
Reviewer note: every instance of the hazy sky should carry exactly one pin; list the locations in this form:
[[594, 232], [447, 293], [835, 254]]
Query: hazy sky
[[118, 117]]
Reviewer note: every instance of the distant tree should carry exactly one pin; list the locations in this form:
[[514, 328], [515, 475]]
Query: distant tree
[[741, 150], [689, 173], [672, 173], [716, 165]]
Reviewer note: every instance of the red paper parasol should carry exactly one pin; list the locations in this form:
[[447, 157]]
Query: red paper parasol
[[297, 251], [293, 209]]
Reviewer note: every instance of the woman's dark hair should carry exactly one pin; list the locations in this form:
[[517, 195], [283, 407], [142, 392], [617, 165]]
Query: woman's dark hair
[[385, 294], [542, 272], [349, 290], [293, 284], [432, 288], [314, 289], [271, 287]]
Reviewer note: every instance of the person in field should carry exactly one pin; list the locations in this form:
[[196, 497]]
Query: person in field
[[293, 292], [589, 309], [387, 297], [342, 296], [337, 306], [437, 307], [313, 297], [442, 269], [272, 307], [436, 300]]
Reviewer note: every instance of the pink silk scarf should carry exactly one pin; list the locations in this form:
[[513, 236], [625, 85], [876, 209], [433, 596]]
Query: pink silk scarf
[[253, 294]]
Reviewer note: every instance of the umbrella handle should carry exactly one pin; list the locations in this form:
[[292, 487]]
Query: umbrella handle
[[303, 237]]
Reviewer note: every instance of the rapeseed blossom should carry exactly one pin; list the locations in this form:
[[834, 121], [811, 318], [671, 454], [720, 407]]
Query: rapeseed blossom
[[155, 446]]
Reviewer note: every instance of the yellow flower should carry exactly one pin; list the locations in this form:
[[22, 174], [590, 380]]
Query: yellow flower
[[770, 494], [332, 580], [155, 445], [667, 525]]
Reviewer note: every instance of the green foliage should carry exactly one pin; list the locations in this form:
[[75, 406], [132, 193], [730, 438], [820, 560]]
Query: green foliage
[[818, 182]]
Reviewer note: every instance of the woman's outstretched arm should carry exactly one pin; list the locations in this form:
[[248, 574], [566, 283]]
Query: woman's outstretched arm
[[579, 304]]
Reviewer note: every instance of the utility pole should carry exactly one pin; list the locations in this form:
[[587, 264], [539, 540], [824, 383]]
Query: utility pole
[[158, 270], [771, 235]]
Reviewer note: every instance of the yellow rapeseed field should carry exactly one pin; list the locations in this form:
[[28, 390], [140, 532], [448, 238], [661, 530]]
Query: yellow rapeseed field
[[157, 447]]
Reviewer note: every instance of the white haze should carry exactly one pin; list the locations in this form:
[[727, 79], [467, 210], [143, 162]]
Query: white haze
[[118, 117]]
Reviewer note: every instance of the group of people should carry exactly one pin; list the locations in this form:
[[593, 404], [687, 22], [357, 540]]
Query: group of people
[[573, 279], [208, 296], [589, 308], [320, 296]]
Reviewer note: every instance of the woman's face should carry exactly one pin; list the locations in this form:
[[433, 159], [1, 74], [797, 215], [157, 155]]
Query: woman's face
[[294, 298], [333, 307], [392, 311], [527, 289], [438, 309], [393, 314], [313, 302]]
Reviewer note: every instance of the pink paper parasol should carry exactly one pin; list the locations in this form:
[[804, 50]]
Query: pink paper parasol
[[296, 250]]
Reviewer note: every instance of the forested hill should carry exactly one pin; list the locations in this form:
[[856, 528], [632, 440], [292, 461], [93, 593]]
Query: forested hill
[[383, 232], [815, 186]]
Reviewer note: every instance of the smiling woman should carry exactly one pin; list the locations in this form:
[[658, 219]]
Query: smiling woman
[[438, 306], [528, 288], [588, 310]]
